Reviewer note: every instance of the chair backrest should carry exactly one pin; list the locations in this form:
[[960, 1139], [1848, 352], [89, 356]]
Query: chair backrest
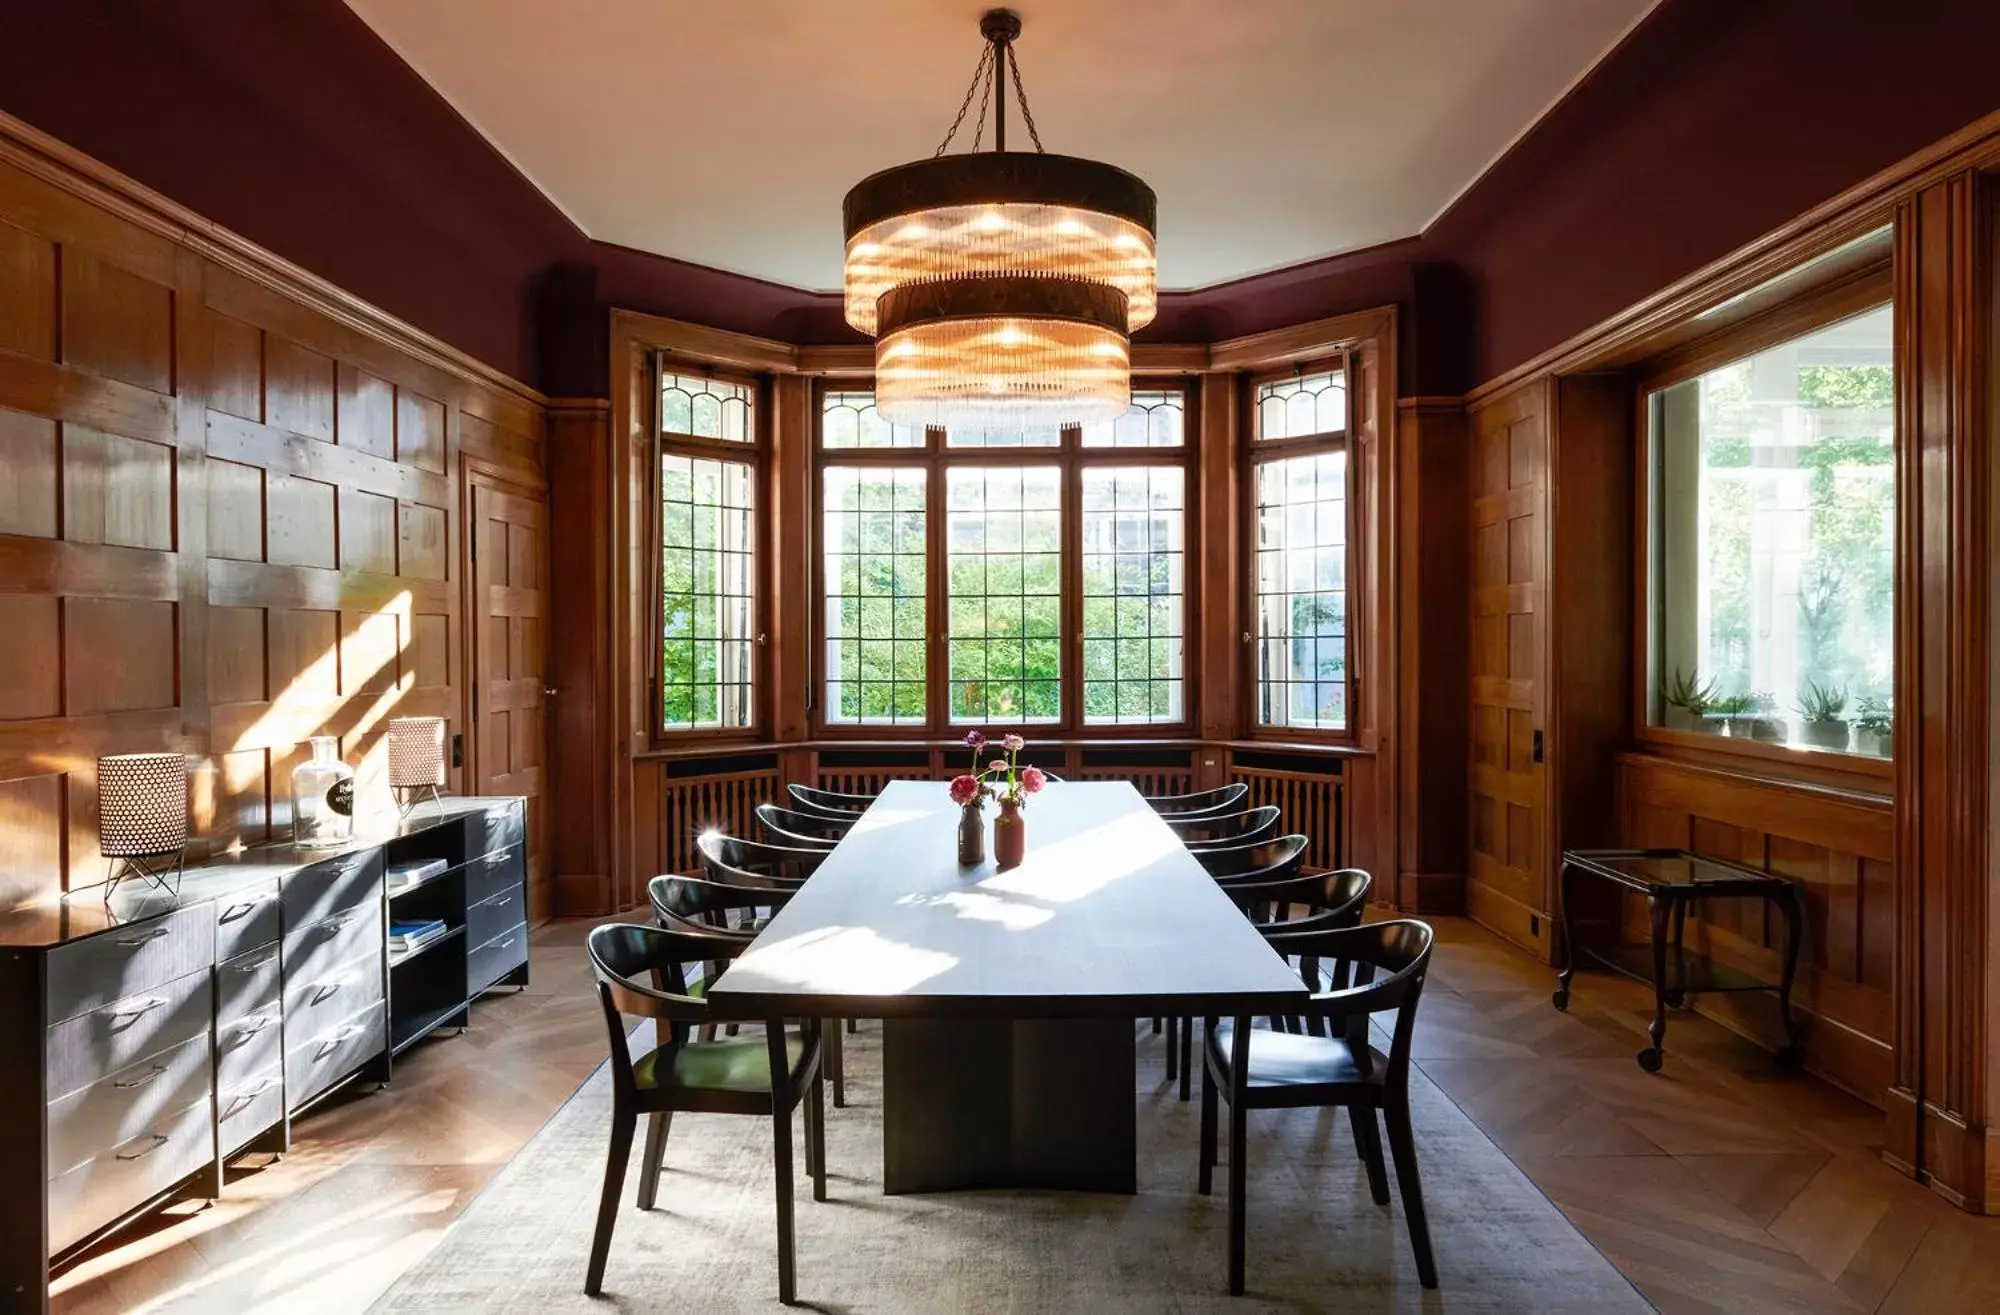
[[1332, 899], [620, 952], [697, 904], [1399, 948], [1226, 799], [1225, 828], [829, 803], [800, 830], [1270, 859], [750, 862]]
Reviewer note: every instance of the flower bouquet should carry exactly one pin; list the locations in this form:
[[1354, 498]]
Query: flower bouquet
[[972, 789]]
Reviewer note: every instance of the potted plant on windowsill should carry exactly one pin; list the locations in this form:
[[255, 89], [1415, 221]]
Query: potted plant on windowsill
[[1729, 712], [1820, 707], [1876, 726], [1695, 698]]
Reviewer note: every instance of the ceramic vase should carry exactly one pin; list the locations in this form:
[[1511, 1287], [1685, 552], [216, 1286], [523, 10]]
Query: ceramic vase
[[971, 836], [1010, 836]]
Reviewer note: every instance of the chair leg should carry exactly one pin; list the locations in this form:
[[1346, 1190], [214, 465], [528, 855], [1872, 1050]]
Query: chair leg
[[781, 1148], [1403, 1145], [658, 1125], [1368, 1146], [1207, 1129], [1187, 1055], [834, 1057], [1173, 1048], [816, 1131], [1239, 1140], [622, 1124]]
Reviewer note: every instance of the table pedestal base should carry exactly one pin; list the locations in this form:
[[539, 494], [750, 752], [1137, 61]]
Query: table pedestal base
[[993, 1103]]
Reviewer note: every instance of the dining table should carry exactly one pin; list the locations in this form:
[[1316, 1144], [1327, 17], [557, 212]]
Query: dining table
[[1009, 998]]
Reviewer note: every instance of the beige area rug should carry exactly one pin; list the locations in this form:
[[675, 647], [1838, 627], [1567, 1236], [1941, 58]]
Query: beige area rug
[[1317, 1242]]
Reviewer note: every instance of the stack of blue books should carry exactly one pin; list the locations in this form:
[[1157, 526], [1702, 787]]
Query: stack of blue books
[[406, 937]]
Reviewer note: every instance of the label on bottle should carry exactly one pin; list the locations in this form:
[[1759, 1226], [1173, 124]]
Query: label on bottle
[[340, 797]]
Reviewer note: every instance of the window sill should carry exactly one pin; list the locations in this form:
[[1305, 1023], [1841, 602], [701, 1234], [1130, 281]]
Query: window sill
[[1864, 779]]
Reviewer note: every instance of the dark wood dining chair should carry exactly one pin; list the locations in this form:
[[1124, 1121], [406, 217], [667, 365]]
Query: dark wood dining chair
[[1209, 830], [1224, 799], [1271, 859], [1256, 1068], [705, 904], [768, 1075], [788, 826], [829, 803], [742, 862]]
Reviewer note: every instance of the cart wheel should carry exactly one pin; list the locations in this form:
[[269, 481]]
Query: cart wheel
[[1561, 998], [1650, 1059], [1790, 1058]]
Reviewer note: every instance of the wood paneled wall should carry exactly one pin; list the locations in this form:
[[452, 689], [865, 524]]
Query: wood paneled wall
[[232, 515], [1840, 848]]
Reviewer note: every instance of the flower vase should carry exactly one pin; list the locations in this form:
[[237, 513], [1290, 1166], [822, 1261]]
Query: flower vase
[[971, 835], [1010, 836]]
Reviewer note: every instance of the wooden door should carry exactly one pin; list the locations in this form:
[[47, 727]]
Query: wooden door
[[509, 549], [1507, 886]]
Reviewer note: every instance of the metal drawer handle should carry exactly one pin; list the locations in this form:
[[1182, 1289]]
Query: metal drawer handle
[[158, 1071], [144, 937], [338, 921], [159, 1140], [241, 1100], [258, 965], [326, 990], [507, 944], [245, 1029], [133, 1011], [336, 1041], [243, 910]]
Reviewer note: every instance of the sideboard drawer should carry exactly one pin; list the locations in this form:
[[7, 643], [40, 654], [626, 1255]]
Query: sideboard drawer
[[490, 917], [335, 886], [320, 1061], [505, 826], [502, 870], [111, 1037], [488, 963], [248, 920], [247, 983], [249, 1107], [87, 1123], [128, 960], [247, 1044], [99, 1190], [313, 949], [315, 1004]]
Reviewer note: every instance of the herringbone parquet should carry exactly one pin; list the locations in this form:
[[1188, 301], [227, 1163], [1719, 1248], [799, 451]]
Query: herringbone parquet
[[1718, 1184]]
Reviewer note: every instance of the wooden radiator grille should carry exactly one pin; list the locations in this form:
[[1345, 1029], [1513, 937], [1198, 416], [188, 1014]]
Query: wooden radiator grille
[[726, 801], [1149, 780], [866, 780], [1309, 804]]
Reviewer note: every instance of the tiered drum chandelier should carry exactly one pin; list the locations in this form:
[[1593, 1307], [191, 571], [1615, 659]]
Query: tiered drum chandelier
[[1002, 287]]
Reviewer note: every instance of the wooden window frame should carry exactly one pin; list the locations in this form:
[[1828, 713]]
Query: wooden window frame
[[1256, 452], [756, 453], [1809, 310], [1070, 458]]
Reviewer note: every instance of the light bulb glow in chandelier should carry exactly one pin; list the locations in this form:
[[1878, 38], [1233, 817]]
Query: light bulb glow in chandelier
[[1002, 288]]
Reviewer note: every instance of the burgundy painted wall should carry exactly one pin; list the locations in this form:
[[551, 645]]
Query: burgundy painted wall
[[291, 123]]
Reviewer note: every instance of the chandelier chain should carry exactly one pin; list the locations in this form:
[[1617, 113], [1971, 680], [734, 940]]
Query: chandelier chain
[[1021, 96], [979, 78], [985, 97]]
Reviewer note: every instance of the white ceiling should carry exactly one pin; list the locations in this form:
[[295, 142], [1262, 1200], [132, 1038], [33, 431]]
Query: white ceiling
[[725, 132]]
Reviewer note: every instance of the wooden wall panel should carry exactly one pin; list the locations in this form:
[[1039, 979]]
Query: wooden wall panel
[[230, 518], [1839, 847]]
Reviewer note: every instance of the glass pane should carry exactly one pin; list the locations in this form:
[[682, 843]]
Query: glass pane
[[1134, 566], [850, 420], [1003, 546], [1772, 568], [1157, 419], [700, 407], [1301, 592], [873, 523], [1303, 405], [707, 574], [1049, 436]]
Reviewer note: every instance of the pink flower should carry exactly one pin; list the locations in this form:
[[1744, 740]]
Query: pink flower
[[975, 741], [1033, 779], [997, 765], [1014, 744], [964, 789]]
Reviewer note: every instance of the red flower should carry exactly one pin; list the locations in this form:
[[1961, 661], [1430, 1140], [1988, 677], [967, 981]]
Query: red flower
[[1033, 779], [964, 789]]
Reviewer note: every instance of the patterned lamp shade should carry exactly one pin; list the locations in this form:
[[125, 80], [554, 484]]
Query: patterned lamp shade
[[416, 752], [141, 804]]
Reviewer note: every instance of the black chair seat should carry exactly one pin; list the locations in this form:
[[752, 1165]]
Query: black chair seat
[[1317, 1065], [734, 1065]]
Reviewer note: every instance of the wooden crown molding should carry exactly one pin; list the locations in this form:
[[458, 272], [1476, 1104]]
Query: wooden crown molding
[[45, 158], [1825, 228], [1303, 342]]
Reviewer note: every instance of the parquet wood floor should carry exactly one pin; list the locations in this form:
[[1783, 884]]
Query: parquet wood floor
[[1717, 1185]]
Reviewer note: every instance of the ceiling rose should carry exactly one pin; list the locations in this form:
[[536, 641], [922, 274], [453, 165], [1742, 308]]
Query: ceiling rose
[[1001, 288]]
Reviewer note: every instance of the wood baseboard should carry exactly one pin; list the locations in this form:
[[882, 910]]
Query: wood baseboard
[[1504, 916]]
